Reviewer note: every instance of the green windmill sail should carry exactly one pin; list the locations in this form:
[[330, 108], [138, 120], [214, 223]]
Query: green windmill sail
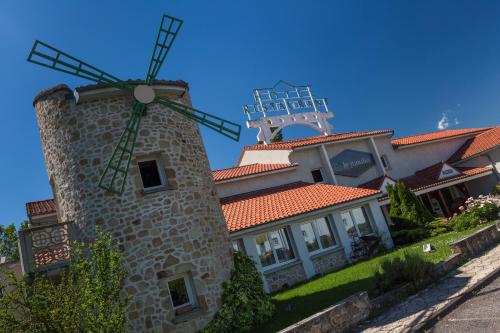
[[115, 174]]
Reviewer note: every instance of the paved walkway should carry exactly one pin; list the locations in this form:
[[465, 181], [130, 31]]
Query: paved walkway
[[480, 313], [417, 308]]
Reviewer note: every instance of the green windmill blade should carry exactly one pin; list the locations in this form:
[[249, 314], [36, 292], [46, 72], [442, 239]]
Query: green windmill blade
[[115, 174], [222, 126], [169, 28], [47, 56]]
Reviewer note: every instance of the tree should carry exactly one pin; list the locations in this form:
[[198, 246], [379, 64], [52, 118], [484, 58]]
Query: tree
[[244, 302], [278, 137], [8, 242], [85, 299], [405, 208], [408, 214]]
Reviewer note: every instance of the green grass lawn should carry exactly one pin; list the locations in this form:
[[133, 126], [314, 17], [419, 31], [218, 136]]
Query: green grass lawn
[[301, 301]]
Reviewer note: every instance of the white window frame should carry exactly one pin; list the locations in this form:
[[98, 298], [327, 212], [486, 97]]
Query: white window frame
[[368, 218], [190, 292], [161, 172], [321, 172], [269, 239], [315, 231]]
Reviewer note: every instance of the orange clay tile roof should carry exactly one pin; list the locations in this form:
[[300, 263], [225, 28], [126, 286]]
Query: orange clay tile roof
[[291, 144], [478, 144], [259, 207], [247, 170], [375, 183], [41, 207], [439, 135], [429, 177]]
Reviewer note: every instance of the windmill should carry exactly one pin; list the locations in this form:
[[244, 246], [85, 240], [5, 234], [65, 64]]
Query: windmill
[[115, 174]]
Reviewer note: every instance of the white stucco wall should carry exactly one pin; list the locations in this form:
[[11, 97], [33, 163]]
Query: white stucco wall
[[264, 156], [257, 183], [359, 145], [482, 185], [404, 162]]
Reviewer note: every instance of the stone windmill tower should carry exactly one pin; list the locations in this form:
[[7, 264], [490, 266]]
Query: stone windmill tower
[[149, 185]]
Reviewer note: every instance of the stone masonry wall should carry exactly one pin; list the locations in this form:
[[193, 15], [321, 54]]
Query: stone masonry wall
[[338, 318], [177, 230], [285, 277], [328, 262]]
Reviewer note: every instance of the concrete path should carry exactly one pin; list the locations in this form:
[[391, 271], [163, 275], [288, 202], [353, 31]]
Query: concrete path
[[408, 315], [480, 313]]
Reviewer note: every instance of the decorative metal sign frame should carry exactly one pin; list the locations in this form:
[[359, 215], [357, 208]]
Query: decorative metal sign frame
[[285, 105]]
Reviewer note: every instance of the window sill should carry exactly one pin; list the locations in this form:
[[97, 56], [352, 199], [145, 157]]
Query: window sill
[[156, 189], [196, 312], [285, 265], [330, 250]]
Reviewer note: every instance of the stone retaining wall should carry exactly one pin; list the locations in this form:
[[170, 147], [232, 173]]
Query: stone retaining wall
[[477, 242], [338, 318], [349, 312]]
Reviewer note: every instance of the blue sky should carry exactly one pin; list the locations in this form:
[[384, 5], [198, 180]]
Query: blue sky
[[382, 64]]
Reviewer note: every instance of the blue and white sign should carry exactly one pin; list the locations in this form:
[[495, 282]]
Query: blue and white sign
[[351, 163]]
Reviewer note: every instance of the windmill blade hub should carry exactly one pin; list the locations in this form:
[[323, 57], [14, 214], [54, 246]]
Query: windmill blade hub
[[144, 94]]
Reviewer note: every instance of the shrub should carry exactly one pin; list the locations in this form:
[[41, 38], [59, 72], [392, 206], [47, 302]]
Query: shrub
[[244, 302], [85, 299], [465, 221], [406, 236], [438, 227], [406, 211], [407, 268], [496, 190], [486, 211]]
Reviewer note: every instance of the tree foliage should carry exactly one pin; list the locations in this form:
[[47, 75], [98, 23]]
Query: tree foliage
[[84, 299], [279, 135], [8, 241], [244, 302], [408, 214], [405, 208]]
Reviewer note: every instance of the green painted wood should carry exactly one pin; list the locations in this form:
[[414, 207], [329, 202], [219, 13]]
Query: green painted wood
[[169, 28], [225, 127], [115, 174], [47, 56]]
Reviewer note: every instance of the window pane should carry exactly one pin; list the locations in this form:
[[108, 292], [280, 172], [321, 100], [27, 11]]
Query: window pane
[[178, 292], [362, 221], [238, 246], [317, 176], [325, 233], [264, 250], [150, 174], [281, 245], [309, 237], [349, 225]]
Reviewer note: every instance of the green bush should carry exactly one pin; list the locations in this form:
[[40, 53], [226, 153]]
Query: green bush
[[407, 268], [405, 208], [496, 190], [488, 211], [438, 227], [244, 302], [465, 221], [406, 236]]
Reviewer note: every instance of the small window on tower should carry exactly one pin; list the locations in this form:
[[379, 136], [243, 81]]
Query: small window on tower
[[151, 175], [317, 176], [182, 295]]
